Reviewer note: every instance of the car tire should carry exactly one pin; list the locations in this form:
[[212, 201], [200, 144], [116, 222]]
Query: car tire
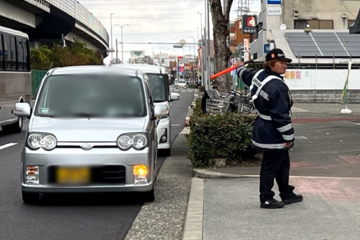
[[167, 152], [29, 197], [150, 196], [15, 127]]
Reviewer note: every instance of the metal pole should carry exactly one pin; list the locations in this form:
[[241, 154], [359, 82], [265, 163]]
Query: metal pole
[[117, 58], [111, 40], [122, 45], [205, 67], [208, 47]]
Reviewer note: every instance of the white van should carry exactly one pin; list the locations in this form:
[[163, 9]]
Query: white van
[[159, 83]]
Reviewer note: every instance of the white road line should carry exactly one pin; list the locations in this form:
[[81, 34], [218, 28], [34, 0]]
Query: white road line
[[175, 125], [296, 110], [300, 137], [7, 145]]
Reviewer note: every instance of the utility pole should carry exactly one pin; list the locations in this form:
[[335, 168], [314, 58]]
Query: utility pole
[[117, 58], [208, 46], [111, 38]]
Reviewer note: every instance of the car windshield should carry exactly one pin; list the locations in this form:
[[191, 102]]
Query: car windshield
[[181, 81], [91, 96], [157, 87]]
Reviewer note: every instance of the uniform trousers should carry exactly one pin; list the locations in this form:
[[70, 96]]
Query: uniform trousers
[[275, 165]]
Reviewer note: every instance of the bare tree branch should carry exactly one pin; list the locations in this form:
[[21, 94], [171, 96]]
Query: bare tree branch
[[228, 8]]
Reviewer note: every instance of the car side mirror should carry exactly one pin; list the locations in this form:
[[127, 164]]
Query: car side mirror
[[174, 96], [161, 111], [22, 109]]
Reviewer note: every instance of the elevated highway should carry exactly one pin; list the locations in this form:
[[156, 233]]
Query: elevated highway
[[47, 21]]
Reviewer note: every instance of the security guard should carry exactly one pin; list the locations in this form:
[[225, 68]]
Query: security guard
[[273, 133]]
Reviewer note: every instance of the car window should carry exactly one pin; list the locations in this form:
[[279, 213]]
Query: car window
[[181, 81], [91, 96], [157, 87]]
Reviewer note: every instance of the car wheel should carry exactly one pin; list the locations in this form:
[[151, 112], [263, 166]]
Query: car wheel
[[150, 196], [15, 127], [167, 152], [29, 197]]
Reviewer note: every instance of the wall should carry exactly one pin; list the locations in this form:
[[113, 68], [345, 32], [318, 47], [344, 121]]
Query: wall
[[12, 12], [322, 85], [321, 9]]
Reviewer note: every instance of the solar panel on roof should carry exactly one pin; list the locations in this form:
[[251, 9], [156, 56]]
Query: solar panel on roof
[[330, 44]]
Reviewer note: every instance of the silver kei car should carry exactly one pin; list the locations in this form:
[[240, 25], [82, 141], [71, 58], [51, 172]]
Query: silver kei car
[[92, 129]]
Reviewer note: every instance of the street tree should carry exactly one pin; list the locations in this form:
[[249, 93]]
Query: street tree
[[220, 20]]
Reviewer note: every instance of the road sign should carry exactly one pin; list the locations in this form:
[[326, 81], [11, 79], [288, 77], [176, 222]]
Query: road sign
[[266, 47]]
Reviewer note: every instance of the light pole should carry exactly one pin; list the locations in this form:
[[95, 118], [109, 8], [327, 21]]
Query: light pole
[[200, 23], [194, 59], [122, 41], [111, 39]]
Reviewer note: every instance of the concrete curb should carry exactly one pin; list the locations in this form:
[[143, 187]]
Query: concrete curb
[[193, 229], [206, 174]]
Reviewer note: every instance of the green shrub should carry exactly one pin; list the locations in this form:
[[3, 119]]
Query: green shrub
[[202, 89], [220, 136], [197, 112]]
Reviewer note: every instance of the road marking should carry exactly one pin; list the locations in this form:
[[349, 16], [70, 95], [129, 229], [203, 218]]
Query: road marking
[[7, 145], [300, 137], [295, 109], [175, 125]]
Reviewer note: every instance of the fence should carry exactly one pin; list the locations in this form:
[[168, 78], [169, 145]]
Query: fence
[[36, 77]]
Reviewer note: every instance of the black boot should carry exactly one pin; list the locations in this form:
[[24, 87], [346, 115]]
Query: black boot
[[293, 198], [272, 203]]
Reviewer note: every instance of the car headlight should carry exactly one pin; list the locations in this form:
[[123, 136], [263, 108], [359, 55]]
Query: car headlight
[[137, 141], [41, 140]]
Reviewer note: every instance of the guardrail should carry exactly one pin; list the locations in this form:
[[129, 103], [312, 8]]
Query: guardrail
[[80, 13]]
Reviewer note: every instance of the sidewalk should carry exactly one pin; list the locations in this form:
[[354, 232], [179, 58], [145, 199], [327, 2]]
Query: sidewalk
[[325, 169]]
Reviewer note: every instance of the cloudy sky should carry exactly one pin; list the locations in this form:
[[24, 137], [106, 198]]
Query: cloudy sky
[[157, 21]]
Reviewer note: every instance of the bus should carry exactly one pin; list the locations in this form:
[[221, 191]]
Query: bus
[[15, 77]]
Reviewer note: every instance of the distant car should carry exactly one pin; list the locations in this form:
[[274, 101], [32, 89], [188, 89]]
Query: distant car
[[181, 83], [92, 129]]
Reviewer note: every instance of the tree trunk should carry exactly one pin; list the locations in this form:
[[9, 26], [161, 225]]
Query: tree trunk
[[220, 34]]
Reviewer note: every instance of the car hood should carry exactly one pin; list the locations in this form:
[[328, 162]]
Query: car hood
[[87, 130]]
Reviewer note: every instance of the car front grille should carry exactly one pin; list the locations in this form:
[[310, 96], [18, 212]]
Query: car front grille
[[99, 174]]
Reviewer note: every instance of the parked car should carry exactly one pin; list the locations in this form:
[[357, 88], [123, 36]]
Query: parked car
[[181, 83], [161, 95], [92, 129]]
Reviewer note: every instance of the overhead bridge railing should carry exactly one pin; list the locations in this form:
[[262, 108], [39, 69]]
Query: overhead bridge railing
[[43, 4], [80, 13]]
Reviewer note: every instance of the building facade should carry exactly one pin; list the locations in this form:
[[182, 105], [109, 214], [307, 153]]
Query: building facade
[[285, 15]]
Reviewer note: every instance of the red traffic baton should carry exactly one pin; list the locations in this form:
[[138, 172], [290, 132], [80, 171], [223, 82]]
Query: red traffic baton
[[228, 70], [223, 72]]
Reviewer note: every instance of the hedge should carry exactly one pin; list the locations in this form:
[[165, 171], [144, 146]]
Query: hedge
[[225, 136]]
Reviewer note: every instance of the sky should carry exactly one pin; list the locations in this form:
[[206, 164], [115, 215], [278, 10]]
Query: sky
[[157, 21]]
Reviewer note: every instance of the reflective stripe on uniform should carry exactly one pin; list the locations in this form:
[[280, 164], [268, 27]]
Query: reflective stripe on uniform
[[269, 145], [288, 137], [265, 117], [255, 77], [285, 128], [264, 95]]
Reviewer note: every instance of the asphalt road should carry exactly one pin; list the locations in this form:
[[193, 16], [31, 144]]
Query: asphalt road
[[65, 216]]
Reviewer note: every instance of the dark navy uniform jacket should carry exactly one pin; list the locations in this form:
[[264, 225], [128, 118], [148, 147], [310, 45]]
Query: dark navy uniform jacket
[[272, 100]]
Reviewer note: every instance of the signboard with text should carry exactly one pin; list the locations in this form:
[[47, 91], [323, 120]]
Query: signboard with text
[[249, 24], [274, 1]]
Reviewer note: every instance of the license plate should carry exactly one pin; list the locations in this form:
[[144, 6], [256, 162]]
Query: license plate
[[73, 175]]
